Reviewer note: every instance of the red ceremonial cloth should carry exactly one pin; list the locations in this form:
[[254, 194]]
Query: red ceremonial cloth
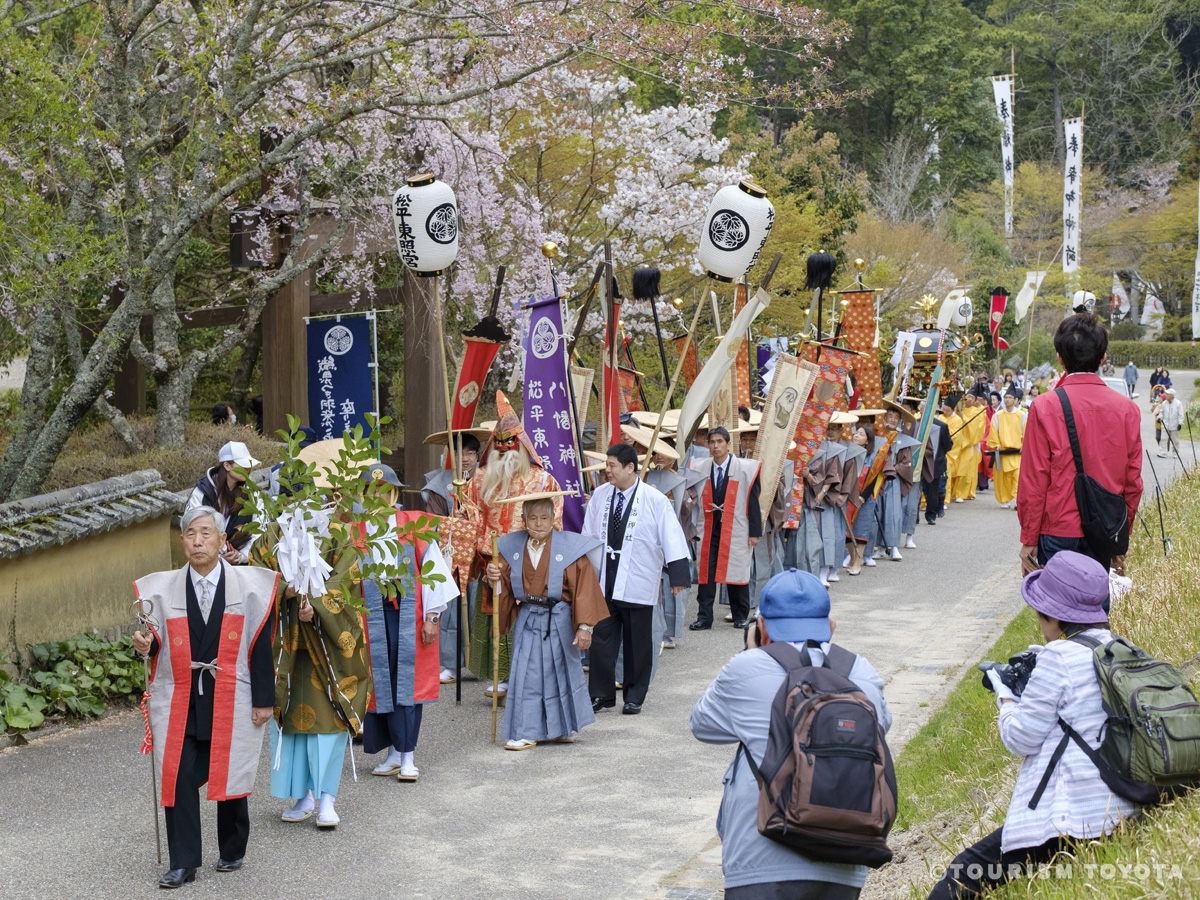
[[828, 395], [999, 302], [612, 384], [477, 362], [742, 364], [691, 363], [858, 328]]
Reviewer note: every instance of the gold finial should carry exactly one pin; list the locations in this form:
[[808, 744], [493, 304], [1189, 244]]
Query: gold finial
[[860, 263], [928, 306], [549, 249], [621, 324], [677, 303]]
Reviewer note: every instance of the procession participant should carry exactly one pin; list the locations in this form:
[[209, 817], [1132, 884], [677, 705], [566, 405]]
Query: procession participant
[[731, 526], [641, 534], [548, 586], [810, 556], [859, 441], [936, 462], [886, 490], [211, 693], [508, 467], [439, 499], [1005, 436], [321, 694], [402, 636], [221, 488], [965, 476], [987, 460], [953, 424], [835, 494], [900, 416]]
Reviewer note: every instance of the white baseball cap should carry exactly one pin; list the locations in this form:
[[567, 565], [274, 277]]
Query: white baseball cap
[[237, 453]]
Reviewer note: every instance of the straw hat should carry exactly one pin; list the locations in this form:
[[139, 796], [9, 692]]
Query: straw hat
[[439, 437], [642, 436], [538, 495], [843, 418], [326, 457]]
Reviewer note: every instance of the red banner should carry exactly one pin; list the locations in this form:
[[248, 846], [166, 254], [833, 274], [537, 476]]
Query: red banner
[[691, 362], [999, 302], [611, 383], [742, 363], [477, 362], [631, 384], [858, 328], [828, 396]]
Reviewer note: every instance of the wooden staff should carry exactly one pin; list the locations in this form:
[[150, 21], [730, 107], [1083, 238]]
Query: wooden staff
[[495, 638], [441, 338]]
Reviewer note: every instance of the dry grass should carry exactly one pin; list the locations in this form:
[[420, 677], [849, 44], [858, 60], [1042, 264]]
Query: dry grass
[[98, 453]]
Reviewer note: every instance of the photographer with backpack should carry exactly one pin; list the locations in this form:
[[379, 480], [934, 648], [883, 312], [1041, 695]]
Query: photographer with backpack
[[1060, 792], [836, 799]]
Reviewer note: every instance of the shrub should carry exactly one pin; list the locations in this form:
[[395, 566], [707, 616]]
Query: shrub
[[1148, 354], [75, 678]]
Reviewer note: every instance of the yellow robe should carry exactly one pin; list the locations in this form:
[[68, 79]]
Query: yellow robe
[[966, 475], [1007, 432]]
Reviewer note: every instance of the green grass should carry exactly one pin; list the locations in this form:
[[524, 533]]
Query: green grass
[[955, 769]]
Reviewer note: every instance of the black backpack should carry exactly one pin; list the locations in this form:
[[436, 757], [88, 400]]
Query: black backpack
[[1103, 515], [827, 788]]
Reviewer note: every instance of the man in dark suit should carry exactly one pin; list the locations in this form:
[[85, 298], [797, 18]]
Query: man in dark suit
[[216, 622]]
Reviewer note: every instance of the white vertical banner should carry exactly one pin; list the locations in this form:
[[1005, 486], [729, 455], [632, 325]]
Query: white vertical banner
[[1072, 193], [1029, 290], [1120, 298], [1196, 298], [1002, 88]]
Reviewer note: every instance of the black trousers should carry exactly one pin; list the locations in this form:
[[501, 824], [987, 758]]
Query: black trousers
[[183, 819], [935, 497], [628, 625], [739, 601], [984, 865]]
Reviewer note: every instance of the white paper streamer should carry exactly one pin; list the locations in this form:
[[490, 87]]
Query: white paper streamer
[[1002, 89], [298, 552], [1072, 194]]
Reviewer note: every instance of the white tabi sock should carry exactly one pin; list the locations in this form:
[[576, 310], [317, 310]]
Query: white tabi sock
[[326, 803], [406, 760], [304, 803]]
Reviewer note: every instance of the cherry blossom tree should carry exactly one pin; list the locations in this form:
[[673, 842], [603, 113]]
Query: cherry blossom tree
[[130, 129]]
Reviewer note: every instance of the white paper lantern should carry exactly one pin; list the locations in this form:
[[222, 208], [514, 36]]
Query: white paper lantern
[[425, 215], [963, 312], [739, 221]]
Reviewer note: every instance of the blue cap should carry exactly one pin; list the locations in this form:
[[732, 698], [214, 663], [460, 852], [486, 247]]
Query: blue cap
[[796, 607]]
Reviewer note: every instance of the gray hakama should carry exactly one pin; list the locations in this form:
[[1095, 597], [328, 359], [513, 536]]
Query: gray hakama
[[833, 534], [807, 540], [891, 513], [547, 690]]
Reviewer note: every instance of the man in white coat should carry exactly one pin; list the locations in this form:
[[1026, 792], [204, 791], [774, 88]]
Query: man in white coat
[[641, 532]]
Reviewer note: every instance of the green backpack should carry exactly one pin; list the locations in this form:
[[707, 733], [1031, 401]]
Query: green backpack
[[1151, 743]]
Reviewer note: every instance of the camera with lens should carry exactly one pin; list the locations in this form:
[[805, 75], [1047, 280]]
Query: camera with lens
[[1014, 674]]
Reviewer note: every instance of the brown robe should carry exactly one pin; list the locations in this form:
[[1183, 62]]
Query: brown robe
[[580, 588]]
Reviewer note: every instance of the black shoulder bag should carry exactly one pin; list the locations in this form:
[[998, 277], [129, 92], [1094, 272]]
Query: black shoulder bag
[[1103, 515]]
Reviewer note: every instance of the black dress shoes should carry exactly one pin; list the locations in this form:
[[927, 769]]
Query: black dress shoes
[[177, 878], [700, 626], [599, 703], [229, 865], [740, 624], [632, 709]]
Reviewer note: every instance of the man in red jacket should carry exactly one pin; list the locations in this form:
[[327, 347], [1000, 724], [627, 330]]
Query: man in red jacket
[[1109, 428]]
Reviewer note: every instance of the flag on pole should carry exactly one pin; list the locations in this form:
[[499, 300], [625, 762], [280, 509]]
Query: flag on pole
[[1072, 194], [827, 397], [1196, 301], [1120, 298], [1033, 283], [1002, 89], [999, 302], [858, 328]]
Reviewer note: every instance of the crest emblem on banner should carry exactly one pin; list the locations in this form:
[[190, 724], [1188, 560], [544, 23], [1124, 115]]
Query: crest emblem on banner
[[339, 340], [544, 340], [469, 393]]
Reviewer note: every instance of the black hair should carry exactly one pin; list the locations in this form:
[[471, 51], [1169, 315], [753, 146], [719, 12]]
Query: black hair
[[1081, 341], [624, 454], [468, 442], [220, 413], [870, 444], [744, 413], [721, 430], [995, 394]]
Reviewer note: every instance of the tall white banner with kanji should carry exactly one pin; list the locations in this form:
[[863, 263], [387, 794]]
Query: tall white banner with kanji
[[1196, 300], [1072, 195], [1002, 88]]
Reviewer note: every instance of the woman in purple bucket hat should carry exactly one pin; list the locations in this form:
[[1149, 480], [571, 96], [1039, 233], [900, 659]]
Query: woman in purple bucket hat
[[1068, 596]]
